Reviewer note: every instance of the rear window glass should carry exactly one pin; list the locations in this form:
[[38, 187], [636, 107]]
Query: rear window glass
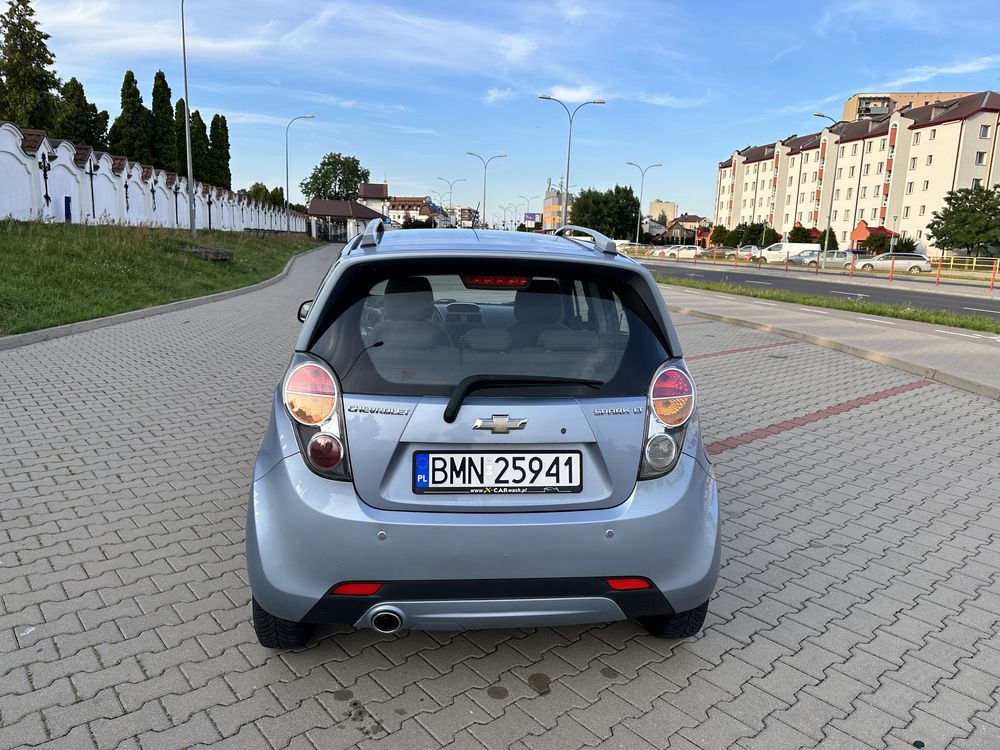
[[420, 334]]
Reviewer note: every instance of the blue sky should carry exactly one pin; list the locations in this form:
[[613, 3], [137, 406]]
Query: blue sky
[[408, 88]]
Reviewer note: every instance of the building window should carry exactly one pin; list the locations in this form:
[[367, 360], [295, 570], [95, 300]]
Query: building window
[[843, 236], [868, 147], [841, 151], [786, 218], [878, 169], [802, 197], [850, 172], [881, 145], [920, 234], [836, 194], [922, 211], [850, 192], [916, 138], [800, 216], [790, 180], [865, 170], [906, 212], [913, 162], [927, 184], [792, 162], [814, 177], [744, 203], [854, 149], [980, 158], [984, 131], [847, 215], [788, 199], [932, 135], [977, 183], [909, 188], [864, 192], [930, 158], [840, 172], [834, 215], [878, 190]]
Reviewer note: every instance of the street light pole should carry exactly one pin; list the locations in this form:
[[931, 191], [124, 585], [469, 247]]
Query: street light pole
[[569, 145], [451, 196], [288, 213], [486, 163], [892, 241], [528, 204], [187, 130], [829, 210], [642, 186]]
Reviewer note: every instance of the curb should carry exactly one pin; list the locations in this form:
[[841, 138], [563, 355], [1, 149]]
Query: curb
[[928, 373], [45, 334]]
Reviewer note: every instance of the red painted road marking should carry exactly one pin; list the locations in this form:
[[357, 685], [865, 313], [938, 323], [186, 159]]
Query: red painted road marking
[[706, 355], [790, 424]]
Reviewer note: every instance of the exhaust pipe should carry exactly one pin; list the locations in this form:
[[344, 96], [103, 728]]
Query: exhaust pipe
[[386, 621]]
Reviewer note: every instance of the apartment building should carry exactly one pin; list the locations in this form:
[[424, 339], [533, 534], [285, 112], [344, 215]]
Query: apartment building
[[889, 171], [872, 105], [667, 208]]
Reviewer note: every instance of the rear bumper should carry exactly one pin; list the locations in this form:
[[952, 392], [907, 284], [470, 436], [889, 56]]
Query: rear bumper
[[306, 534]]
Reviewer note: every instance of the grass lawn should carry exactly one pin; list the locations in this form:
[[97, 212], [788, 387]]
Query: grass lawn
[[937, 317], [51, 274]]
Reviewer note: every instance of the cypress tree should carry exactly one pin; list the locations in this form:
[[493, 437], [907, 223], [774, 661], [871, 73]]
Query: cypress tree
[[180, 139], [27, 86], [79, 120], [130, 134], [220, 152], [162, 137], [201, 156]]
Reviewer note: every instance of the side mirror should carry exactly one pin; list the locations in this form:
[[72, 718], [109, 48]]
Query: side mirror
[[304, 310]]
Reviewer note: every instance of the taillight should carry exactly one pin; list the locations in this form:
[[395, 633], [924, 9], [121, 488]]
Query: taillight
[[310, 394], [671, 404], [325, 451], [672, 397], [356, 589], [629, 584]]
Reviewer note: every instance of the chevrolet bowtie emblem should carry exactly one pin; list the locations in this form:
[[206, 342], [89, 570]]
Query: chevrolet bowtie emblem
[[499, 424]]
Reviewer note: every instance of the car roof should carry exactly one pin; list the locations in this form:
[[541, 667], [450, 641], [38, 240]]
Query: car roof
[[438, 242]]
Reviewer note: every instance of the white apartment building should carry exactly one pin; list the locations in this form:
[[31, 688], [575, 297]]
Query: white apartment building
[[891, 171]]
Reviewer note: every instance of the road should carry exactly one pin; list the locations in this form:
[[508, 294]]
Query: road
[[961, 304], [857, 605]]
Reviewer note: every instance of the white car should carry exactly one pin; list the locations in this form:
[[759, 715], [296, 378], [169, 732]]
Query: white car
[[679, 251], [777, 252]]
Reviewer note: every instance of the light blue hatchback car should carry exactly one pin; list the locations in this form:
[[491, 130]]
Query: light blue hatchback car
[[482, 429]]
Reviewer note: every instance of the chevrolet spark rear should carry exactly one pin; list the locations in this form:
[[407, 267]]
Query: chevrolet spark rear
[[482, 430]]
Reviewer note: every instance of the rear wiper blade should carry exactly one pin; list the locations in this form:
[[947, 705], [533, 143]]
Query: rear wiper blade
[[465, 386]]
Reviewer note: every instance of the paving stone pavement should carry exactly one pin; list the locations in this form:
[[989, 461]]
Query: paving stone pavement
[[857, 606]]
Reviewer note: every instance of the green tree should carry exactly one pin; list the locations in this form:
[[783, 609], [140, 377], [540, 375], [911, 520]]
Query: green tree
[[833, 244], [612, 212], [180, 138], [970, 221], [277, 196], [219, 137], [905, 245], [799, 234], [259, 192], [718, 236], [78, 120], [662, 218], [201, 157], [162, 144], [624, 211], [336, 177], [877, 243], [28, 88], [130, 133], [770, 236]]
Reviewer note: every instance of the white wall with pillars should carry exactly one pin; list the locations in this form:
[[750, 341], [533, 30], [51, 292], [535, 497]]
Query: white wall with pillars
[[97, 194]]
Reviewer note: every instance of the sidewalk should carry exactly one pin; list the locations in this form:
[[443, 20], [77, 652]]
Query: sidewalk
[[954, 356]]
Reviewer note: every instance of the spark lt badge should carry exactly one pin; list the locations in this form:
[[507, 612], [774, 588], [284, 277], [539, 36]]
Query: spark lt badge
[[618, 411]]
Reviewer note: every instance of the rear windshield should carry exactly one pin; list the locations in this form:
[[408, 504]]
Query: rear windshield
[[421, 333]]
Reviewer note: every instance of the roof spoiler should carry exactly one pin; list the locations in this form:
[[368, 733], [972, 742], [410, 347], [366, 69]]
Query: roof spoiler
[[373, 233], [601, 243]]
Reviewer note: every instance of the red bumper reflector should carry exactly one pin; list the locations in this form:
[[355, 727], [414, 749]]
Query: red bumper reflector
[[628, 584], [356, 589]]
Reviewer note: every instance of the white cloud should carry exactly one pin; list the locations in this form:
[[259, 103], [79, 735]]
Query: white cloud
[[924, 15], [668, 100], [574, 94], [495, 95], [572, 10], [923, 73]]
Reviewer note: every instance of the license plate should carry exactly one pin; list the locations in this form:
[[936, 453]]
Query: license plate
[[497, 473]]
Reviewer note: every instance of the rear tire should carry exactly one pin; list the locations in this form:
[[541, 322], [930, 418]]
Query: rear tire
[[915, 270], [678, 624], [763, 260], [274, 632], [672, 256]]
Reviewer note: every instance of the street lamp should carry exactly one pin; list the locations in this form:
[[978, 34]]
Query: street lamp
[[451, 191], [829, 210], [486, 163], [288, 213], [892, 240], [187, 130], [569, 145], [642, 185], [527, 201]]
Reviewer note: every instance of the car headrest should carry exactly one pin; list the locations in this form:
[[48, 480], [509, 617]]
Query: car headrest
[[408, 298], [539, 303]]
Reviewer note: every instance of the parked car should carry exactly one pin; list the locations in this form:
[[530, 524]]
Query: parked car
[[399, 487], [914, 263], [679, 251], [834, 258], [777, 252]]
